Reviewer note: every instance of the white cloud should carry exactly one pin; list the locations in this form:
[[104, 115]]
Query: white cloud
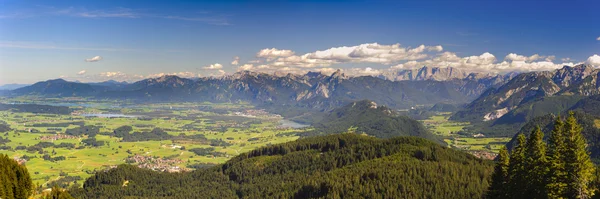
[[271, 53], [246, 67], [94, 59], [598, 38], [112, 74], [213, 67], [594, 60], [368, 71], [364, 53], [179, 74], [81, 72], [400, 57], [487, 62], [254, 61], [236, 60], [515, 57]]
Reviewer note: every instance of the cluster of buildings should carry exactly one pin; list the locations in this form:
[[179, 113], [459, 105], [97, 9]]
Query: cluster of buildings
[[19, 160], [156, 164], [484, 154], [255, 113], [57, 137]]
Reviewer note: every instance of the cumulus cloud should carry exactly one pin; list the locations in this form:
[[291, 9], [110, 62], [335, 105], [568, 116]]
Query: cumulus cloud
[[368, 71], [515, 57], [398, 57], [598, 38], [364, 53], [216, 66], [594, 60], [81, 72], [112, 74], [246, 67], [487, 62], [271, 53], [236, 60], [94, 59], [185, 74]]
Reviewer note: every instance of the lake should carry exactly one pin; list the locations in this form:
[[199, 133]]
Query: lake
[[108, 115], [291, 124]]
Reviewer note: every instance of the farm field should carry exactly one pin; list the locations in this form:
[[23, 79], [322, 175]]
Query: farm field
[[475, 144], [440, 125], [65, 149]]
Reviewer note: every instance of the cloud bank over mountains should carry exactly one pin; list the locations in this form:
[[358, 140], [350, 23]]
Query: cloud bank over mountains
[[378, 58], [397, 57]]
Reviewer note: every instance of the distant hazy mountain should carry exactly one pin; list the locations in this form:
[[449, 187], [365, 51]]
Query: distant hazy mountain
[[580, 80], [12, 86], [112, 84], [58, 87], [367, 117]]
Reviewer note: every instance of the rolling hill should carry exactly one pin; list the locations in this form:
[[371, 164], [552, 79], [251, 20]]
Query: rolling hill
[[334, 166], [367, 117]]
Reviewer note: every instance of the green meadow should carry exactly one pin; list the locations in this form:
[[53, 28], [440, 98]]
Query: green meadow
[[449, 130], [213, 121]]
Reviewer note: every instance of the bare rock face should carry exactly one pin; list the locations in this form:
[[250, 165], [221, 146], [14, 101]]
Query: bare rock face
[[430, 73], [577, 80], [569, 75]]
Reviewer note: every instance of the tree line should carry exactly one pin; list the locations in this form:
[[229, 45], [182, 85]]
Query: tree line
[[333, 166], [557, 168]]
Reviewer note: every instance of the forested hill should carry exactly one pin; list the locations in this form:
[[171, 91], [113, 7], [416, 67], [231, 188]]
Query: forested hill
[[588, 122], [367, 117], [334, 166]]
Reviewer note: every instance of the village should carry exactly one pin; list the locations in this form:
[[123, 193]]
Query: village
[[156, 164]]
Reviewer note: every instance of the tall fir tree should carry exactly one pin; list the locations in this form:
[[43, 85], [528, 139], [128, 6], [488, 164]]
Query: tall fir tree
[[536, 165], [500, 179], [557, 176], [596, 183], [517, 170], [579, 167]]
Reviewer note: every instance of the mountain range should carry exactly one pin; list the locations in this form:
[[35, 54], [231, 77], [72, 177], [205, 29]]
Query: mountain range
[[313, 91], [580, 80]]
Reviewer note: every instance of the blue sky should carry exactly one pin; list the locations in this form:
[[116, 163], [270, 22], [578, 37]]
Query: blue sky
[[130, 40]]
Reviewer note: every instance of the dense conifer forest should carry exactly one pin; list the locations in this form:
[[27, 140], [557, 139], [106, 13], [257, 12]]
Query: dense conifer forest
[[557, 168], [15, 181], [334, 166]]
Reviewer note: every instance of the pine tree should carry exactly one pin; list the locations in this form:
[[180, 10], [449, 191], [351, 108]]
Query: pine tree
[[517, 173], [596, 183], [536, 165], [498, 189], [579, 167], [557, 176], [58, 193]]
